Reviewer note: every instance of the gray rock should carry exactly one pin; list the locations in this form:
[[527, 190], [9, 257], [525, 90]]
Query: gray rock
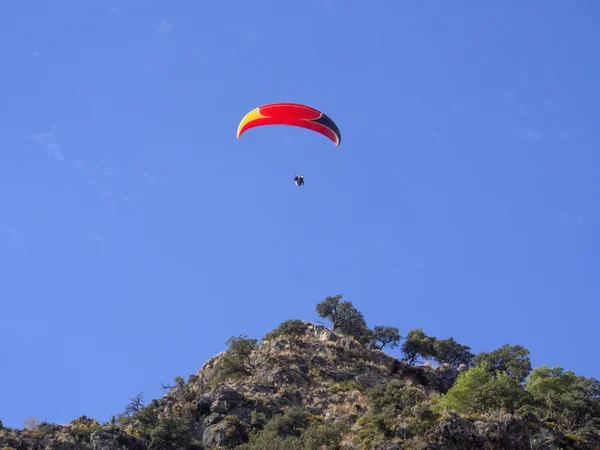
[[223, 435], [212, 418]]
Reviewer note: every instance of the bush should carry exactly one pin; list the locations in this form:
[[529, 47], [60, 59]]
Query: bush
[[318, 436], [386, 398], [292, 329], [236, 362], [345, 386], [296, 429], [281, 432], [480, 391], [571, 402], [170, 433]]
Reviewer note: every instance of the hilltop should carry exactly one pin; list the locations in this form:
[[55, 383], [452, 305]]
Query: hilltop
[[311, 386]]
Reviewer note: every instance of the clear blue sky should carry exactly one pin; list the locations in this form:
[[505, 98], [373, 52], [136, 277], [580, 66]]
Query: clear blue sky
[[137, 233]]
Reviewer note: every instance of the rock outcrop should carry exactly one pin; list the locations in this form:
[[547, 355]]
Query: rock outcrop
[[327, 377]]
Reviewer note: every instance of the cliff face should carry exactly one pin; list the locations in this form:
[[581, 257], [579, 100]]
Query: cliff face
[[314, 391], [322, 374]]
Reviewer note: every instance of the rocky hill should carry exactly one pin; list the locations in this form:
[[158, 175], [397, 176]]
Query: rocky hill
[[304, 386]]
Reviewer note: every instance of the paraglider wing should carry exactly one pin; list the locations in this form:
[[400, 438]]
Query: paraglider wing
[[291, 114]]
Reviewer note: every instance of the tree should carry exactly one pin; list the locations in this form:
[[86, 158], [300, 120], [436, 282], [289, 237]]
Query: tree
[[572, 402], [451, 352], [358, 329], [179, 382], [393, 397], [344, 317], [170, 433], [514, 360], [292, 329], [416, 344], [480, 391], [386, 336], [31, 422], [283, 431], [236, 362], [135, 405], [242, 347]]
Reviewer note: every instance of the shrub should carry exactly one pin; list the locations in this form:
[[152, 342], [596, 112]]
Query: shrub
[[292, 329], [236, 362]]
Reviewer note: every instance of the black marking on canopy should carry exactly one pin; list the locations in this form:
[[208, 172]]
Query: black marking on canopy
[[327, 122]]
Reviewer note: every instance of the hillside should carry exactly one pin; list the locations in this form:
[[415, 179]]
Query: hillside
[[311, 386]]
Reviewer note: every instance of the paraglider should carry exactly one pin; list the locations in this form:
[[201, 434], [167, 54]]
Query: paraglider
[[292, 114]]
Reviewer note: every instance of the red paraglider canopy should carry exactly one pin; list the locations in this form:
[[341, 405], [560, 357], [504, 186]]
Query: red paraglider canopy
[[292, 114]]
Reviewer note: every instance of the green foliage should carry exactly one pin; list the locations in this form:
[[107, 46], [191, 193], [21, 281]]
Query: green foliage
[[359, 331], [424, 415], [171, 433], [386, 397], [144, 422], [147, 418], [262, 440], [179, 382], [134, 406], [81, 428], [347, 320], [451, 352], [236, 362], [291, 423], [320, 436], [514, 360], [281, 432], [257, 419], [571, 402], [416, 344], [295, 429], [385, 335], [396, 410], [292, 330], [480, 391], [344, 317], [501, 380], [345, 386], [393, 398], [241, 346], [443, 351]]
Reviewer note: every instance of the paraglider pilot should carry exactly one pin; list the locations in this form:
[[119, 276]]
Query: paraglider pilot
[[299, 179]]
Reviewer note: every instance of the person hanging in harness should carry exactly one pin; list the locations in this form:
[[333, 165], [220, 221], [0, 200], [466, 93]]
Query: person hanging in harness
[[299, 179]]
